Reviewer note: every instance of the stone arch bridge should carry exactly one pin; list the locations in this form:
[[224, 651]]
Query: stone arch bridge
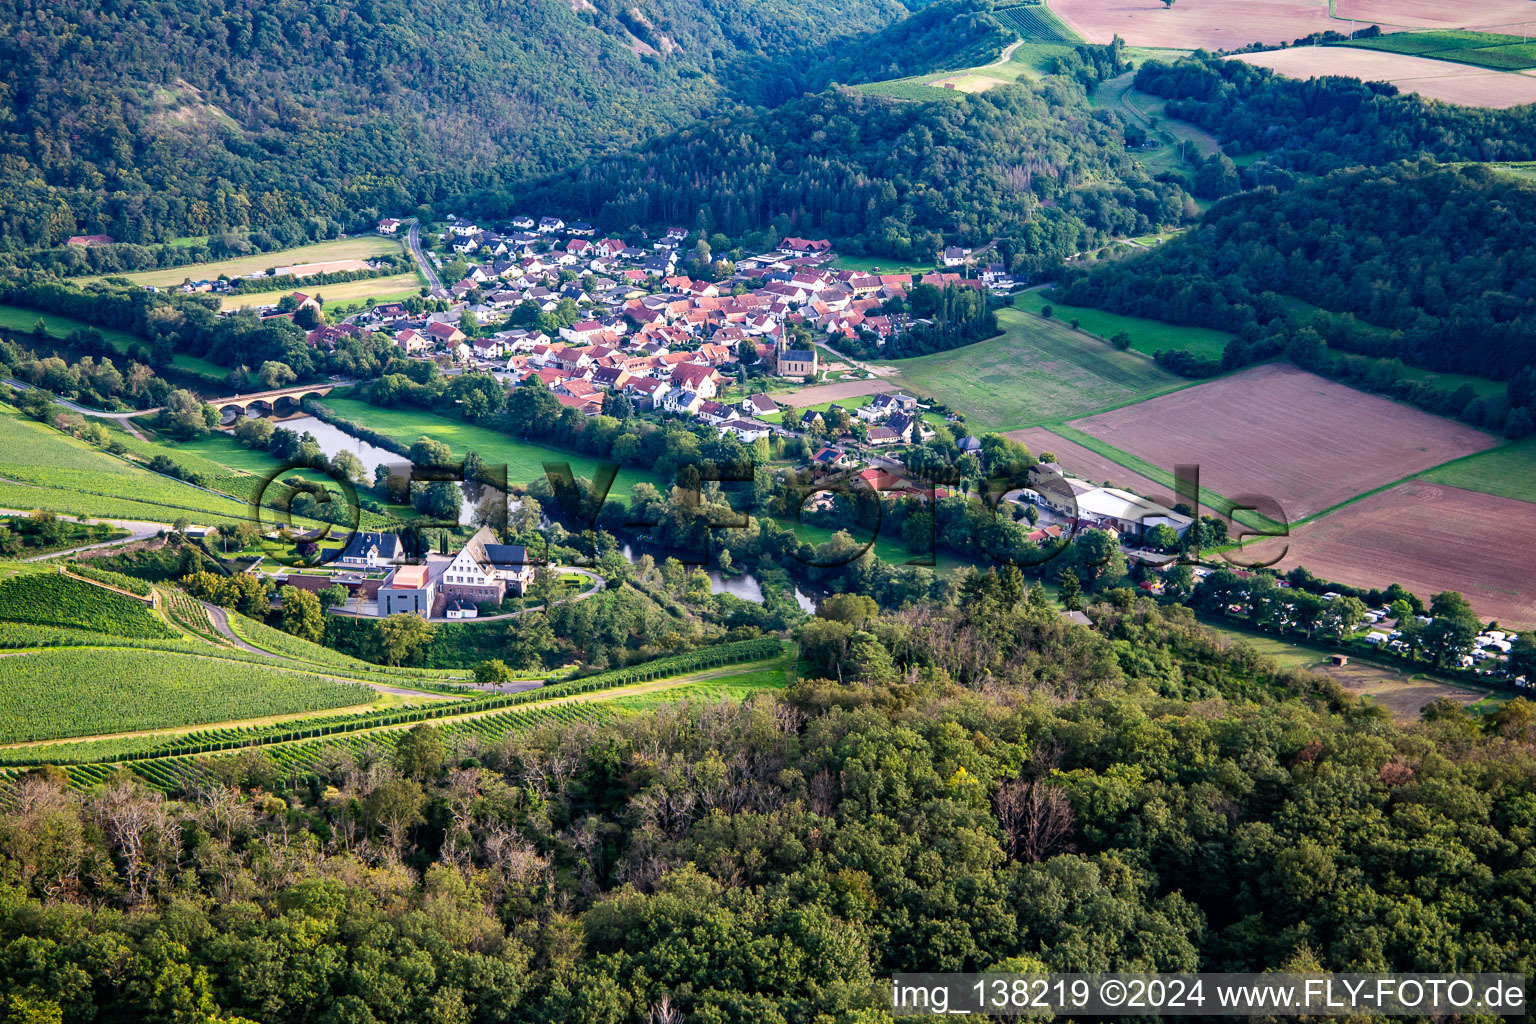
[[279, 402]]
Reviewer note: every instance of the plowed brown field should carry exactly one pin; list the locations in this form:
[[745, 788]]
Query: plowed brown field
[[1434, 79], [1281, 432], [1429, 538], [1192, 24]]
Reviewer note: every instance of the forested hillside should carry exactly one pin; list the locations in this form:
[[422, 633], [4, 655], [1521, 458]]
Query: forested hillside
[[948, 808], [1435, 262], [1032, 164], [150, 119], [1326, 123]]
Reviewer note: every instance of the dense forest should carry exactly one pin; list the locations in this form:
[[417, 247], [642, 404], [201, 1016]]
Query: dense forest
[[1428, 265], [1323, 124], [923, 799], [150, 119], [1031, 163]]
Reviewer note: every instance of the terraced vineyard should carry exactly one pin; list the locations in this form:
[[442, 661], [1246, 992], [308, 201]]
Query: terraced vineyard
[[53, 599], [1035, 23], [43, 468], [73, 692], [286, 645], [189, 613], [733, 671]]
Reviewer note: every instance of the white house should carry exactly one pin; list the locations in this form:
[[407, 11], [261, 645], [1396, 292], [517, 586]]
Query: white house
[[746, 431]]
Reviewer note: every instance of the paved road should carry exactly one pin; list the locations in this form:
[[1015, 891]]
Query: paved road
[[125, 418], [413, 243], [139, 530]]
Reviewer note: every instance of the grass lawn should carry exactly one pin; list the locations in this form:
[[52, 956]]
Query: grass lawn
[[395, 286], [20, 320], [524, 460], [880, 265], [1508, 471], [737, 682], [887, 548], [1147, 336], [1037, 371], [359, 247], [200, 367]]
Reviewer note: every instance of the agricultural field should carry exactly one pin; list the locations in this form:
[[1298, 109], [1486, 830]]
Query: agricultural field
[[53, 599], [1147, 336], [383, 289], [1433, 79], [524, 461], [1035, 372], [43, 468], [1028, 59], [1508, 471], [1211, 24], [356, 248], [1484, 14], [1429, 538], [297, 743], [818, 395], [1278, 431], [1178, 142], [17, 320], [68, 692], [1483, 49]]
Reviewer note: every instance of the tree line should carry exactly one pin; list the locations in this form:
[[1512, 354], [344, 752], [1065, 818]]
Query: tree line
[[1033, 164], [1413, 262]]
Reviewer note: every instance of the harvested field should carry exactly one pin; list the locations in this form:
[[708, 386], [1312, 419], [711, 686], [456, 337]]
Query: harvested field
[[1090, 465], [328, 267], [1462, 84], [818, 393], [1278, 431], [1436, 13], [968, 83], [383, 289], [1429, 538], [1192, 24], [1403, 696], [356, 248]]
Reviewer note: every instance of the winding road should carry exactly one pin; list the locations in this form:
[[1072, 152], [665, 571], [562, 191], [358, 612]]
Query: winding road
[[138, 529], [125, 418], [413, 244]]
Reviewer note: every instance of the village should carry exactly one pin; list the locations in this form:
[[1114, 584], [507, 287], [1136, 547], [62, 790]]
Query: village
[[621, 322]]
